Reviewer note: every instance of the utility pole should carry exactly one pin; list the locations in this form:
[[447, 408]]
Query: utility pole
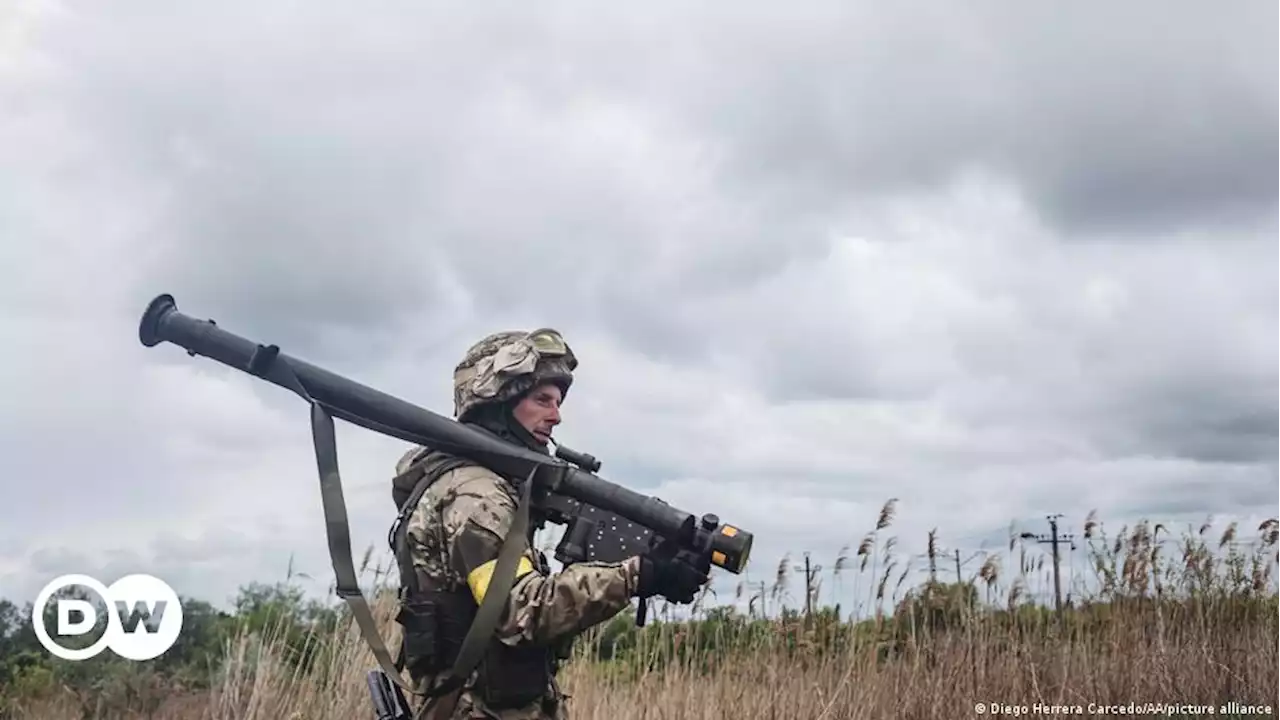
[[960, 564], [933, 557], [1054, 539], [808, 587], [810, 575]]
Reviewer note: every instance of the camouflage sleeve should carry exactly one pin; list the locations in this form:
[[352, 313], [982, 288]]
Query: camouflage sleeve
[[541, 608]]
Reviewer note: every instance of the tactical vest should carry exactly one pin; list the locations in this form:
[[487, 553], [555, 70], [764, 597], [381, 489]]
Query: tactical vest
[[435, 621]]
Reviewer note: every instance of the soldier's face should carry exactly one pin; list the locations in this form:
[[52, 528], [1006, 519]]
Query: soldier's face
[[539, 412]]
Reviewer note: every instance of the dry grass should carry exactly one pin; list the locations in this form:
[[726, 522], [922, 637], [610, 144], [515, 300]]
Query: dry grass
[[1171, 622]]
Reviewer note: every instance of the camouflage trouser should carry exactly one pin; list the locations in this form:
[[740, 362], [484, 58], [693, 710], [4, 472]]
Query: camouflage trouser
[[470, 708]]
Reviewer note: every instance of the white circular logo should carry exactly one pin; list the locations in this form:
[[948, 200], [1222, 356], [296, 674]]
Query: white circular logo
[[144, 617]]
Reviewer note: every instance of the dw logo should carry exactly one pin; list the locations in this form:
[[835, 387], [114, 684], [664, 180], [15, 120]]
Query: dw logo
[[146, 623]]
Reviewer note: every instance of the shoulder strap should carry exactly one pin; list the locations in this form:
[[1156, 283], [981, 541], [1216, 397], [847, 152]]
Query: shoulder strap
[[336, 527]]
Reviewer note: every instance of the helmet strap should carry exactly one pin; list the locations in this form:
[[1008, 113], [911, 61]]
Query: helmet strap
[[500, 419]]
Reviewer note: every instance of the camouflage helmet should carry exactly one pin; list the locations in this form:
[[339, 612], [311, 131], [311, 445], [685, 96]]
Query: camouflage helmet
[[508, 364]]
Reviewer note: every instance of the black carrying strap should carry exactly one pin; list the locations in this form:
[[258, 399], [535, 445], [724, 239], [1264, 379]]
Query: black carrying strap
[[265, 363]]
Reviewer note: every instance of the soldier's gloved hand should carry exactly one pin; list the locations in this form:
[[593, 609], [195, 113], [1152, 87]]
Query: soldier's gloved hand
[[677, 581]]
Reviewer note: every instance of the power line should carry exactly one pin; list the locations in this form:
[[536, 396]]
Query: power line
[[1055, 540]]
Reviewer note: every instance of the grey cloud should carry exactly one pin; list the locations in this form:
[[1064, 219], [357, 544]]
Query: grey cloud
[[1212, 422], [1227, 484], [299, 216], [55, 560], [810, 260], [168, 548], [1115, 125]]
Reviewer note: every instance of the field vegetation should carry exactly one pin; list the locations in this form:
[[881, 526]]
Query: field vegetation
[[1187, 620]]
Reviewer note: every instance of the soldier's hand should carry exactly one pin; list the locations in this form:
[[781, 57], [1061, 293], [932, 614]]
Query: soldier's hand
[[677, 581]]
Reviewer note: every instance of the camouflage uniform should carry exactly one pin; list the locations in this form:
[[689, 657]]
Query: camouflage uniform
[[457, 527]]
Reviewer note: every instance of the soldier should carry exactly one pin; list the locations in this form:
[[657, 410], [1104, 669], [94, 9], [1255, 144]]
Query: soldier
[[456, 515]]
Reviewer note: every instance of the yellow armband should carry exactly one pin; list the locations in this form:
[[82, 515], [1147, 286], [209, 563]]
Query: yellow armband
[[479, 578]]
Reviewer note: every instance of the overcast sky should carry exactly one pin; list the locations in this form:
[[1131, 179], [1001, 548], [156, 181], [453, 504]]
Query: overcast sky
[[992, 260]]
